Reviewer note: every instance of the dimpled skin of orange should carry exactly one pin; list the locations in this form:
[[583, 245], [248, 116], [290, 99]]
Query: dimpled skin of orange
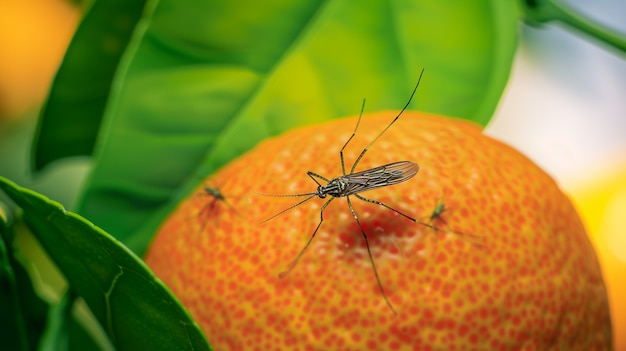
[[530, 282]]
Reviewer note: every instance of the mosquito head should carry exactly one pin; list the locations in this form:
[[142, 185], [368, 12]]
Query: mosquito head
[[321, 192]]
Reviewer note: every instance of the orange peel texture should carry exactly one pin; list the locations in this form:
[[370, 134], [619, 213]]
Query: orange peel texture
[[532, 282]]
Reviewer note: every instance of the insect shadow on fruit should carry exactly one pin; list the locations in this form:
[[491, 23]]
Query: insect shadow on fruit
[[211, 208], [353, 183]]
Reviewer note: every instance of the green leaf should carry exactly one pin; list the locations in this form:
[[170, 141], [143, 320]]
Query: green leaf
[[12, 325], [65, 332], [71, 117], [210, 79], [22, 312], [135, 308], [86, 335], [56, 334]]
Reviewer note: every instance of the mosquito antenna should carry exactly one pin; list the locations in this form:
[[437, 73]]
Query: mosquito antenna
[[389, 125], [343, 167], [284, 195], [312, 195]]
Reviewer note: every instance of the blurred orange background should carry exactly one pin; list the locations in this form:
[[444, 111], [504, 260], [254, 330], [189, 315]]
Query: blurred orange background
[[33, 37], [562, 108]]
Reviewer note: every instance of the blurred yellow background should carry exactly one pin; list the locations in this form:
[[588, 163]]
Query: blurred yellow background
[[602, 204], [538, 115]]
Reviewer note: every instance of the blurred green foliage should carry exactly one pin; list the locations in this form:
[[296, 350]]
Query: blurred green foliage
[[134, 307]]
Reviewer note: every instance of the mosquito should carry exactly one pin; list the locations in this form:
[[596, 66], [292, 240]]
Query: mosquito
[[353, 183], [208, 210], [436, 216]]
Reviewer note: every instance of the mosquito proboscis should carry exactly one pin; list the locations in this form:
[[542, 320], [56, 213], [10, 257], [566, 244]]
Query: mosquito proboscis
[[353, 183]]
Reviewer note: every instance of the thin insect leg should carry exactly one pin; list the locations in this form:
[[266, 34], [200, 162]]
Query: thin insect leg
[[473, 239], [430, 226], [290, 207], [389, 125], [369, 252], [386, 206], [210, 207], [295, 261], [208, 210], [315, 175], [343, 166], [232, 208]]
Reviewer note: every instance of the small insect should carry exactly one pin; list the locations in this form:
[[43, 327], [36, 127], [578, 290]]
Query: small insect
[[438, 223], [354, 183], [208, 211], [437, 214]]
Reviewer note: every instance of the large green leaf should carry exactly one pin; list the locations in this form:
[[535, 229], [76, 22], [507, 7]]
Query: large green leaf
[[210, 79], [135, 308], [71, 117]]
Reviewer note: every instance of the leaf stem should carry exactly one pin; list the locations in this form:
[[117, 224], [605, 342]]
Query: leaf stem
[[541, 11]]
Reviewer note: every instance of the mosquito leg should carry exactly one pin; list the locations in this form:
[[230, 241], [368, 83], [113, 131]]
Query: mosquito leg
[[295, 261], [435, 228], [473, 239], [232, 208], [214, 208], [369, 253], [389, 125], [207, 211], [314, 175], [386, 206]]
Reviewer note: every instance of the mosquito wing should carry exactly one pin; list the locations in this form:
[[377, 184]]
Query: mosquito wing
[[379, 177]]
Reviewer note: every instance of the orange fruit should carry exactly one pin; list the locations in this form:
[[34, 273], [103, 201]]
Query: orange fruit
[[532, 282]]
